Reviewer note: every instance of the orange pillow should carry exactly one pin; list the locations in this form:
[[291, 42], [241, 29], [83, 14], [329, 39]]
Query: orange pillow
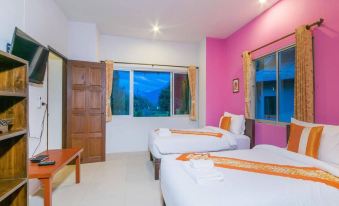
[[225, 123], [305, 140]]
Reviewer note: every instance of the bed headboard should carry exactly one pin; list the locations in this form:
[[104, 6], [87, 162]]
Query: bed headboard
[[250, 130]]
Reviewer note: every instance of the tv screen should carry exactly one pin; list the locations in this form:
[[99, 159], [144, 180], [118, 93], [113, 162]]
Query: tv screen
[[32, 51]]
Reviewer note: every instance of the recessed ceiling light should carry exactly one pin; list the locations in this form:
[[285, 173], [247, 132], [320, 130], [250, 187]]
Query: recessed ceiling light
[[262, 1], [156, 28]]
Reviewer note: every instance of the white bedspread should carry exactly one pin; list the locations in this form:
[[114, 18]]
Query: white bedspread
[[178, 143], [241, 188]]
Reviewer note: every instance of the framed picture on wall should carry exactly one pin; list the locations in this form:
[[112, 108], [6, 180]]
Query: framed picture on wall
[[235, 85]]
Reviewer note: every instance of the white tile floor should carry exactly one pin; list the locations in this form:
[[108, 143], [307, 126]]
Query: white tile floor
[[123, 180]]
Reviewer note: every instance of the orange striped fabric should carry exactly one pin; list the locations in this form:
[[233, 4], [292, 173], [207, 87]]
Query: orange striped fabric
[[311, 136], [313, 142], [212, 134], [225, 123], [305, 173], [294, 139]]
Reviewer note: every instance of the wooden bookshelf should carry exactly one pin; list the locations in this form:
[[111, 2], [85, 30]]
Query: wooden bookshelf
[[13, 144]]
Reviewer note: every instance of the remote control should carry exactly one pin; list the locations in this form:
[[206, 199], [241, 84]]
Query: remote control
[[46, 163], [39, 158]]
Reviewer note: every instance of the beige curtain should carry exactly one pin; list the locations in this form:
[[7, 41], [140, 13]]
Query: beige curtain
[[248, 81], [109, 81], [192, 78], [304, 80]]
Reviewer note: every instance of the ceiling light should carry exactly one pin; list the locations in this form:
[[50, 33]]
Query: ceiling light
[[262, 1], [156, 28]]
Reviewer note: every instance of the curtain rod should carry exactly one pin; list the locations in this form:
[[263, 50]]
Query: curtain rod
[[161, 65], [309, 26]]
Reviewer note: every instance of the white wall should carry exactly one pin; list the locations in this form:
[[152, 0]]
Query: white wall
[[45, 22], [148, 51], [83, 41], [127, 134], [11, 16], [55, 66], [202, 84]]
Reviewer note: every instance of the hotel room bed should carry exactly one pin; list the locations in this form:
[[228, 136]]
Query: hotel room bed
[[178, 144], [242, 188]]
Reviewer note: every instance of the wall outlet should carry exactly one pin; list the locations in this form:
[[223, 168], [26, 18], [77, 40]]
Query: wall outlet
[[8, 47], [40, 103]]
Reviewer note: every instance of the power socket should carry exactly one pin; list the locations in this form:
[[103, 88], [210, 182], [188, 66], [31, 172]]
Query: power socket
[[40, 103], [8, 47]]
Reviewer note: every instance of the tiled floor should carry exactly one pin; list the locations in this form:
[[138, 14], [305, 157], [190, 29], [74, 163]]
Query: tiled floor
[[123, 180]]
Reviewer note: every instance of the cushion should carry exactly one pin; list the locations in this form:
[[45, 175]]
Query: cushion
[[225, 123], [329, 144], [305, 140], [237, 123]]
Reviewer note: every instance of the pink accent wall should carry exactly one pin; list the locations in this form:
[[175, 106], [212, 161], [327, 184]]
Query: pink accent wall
[[224, 61]]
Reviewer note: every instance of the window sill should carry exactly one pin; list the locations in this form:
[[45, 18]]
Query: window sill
[[271, 122]]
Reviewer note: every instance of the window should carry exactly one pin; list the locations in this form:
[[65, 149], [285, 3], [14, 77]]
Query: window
[[152, 95], [120, 92], [275, 86], [181, 94]]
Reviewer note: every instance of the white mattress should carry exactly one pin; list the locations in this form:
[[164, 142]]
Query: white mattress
[[241, 188], [178, 144]]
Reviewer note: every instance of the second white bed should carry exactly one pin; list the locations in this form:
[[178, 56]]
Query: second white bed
[[178, 143]]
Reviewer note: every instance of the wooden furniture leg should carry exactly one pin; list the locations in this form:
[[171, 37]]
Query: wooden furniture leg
[[156, 168], [47, 184], [77, 169], [150, 157]]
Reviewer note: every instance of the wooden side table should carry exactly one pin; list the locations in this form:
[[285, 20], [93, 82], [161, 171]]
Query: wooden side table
[[45, 174]]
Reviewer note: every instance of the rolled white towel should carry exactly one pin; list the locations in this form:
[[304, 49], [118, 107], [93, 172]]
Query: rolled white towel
[[200, 164], [163, 132], [204, 176]]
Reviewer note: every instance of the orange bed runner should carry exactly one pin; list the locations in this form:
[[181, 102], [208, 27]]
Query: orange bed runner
[[304, 173], [212, 134]]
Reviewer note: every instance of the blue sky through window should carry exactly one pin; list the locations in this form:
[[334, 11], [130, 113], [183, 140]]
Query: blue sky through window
[[151, 93]]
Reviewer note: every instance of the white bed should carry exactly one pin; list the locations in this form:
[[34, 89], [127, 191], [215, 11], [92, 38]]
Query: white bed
[[240, 136], [241, 188], [178, 143]]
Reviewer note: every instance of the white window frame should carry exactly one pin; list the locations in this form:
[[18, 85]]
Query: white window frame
[[276, 121], [131, 70]]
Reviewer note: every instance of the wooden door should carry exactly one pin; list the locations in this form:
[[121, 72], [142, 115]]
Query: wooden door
[[86, 99]]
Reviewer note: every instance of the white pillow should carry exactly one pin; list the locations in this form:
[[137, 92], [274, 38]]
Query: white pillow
[[329, 143], [237, 123]]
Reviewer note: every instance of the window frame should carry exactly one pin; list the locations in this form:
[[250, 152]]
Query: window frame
[[276, 121], [131, 69], [130, 89]]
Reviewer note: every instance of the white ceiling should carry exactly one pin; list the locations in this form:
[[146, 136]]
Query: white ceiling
[[179, 20]]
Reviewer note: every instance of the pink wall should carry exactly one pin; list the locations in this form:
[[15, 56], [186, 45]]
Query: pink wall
[[224, 61]]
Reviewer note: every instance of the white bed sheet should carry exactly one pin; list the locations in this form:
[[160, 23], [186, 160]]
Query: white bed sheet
[[178, 144], [241, 188]]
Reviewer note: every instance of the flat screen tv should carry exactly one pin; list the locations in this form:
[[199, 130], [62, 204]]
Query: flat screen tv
[[32, 51]]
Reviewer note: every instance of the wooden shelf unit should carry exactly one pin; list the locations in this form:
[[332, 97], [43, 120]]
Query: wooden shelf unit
[[13, 145]]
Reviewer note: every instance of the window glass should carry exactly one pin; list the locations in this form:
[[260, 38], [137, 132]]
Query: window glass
[[152, 96], [266, 78], [181, 94], [286, 84], [120, 93]]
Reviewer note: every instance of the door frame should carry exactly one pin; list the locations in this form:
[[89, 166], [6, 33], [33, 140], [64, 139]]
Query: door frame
[[64, 95]]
